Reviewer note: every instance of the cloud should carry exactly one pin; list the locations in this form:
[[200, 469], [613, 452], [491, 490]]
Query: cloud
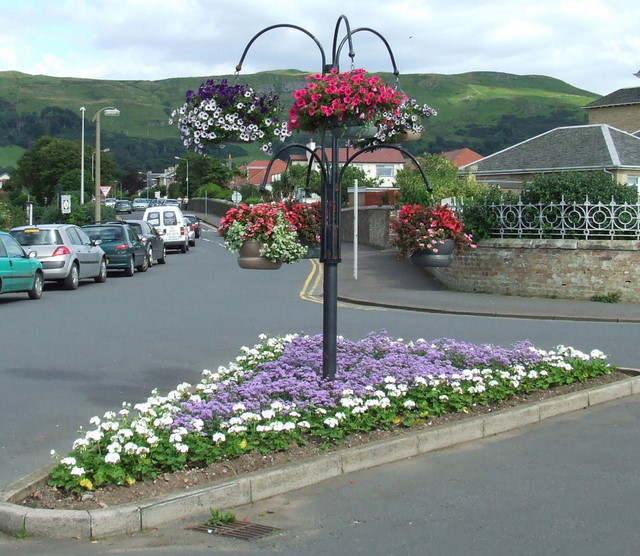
[[591, 44]]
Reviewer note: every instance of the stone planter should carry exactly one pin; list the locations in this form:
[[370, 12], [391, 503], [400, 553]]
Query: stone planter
[[249, 257], [429, 258]]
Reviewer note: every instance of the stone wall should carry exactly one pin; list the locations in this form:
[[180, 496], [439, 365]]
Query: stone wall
[[570, 269], [373, 225]]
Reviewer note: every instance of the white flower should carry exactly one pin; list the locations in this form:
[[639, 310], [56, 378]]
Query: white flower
[[182, 448], [409, 404], [68, 461], [331, 422], [77, 471], [112, 457]]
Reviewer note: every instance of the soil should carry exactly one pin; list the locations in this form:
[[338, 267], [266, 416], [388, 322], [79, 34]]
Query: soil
[[51, 498]]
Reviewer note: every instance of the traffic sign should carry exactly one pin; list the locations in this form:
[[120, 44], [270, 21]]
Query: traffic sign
[[236, 197], [65, 204], [105, 190]]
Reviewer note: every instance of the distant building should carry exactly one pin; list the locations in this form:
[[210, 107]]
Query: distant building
[[4, 178], [462, 157], [620, 109]]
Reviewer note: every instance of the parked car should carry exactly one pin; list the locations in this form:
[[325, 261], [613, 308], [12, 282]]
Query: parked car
[[193, 219], [19, 271], [169, 222], [110, 202], [140, 203], [171, 203], [151, 240], [66, 252], [122, 245], [124, 206], [191, 233]]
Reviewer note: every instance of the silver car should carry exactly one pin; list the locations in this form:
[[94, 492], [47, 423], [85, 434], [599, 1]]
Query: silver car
[[65, 251]]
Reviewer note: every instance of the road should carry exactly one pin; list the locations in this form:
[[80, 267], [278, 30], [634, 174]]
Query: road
[[75, 354]]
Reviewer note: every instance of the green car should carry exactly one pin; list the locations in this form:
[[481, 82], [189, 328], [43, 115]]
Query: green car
[[19, 272], [122, 246]]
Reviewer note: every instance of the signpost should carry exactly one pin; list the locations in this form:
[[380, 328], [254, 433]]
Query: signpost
[[105, 190]]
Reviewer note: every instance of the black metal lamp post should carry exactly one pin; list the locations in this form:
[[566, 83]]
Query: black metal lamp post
[[330, 254]]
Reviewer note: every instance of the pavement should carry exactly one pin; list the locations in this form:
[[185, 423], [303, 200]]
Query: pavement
[[366, 276]]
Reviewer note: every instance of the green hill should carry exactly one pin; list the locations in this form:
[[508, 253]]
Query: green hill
[[484, 111]]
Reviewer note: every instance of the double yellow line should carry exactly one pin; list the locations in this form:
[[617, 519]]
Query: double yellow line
[[312, 283], [312, 289]]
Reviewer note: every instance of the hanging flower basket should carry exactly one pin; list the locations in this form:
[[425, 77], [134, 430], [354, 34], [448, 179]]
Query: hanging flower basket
[[219, 113], [358, 107], [341, 100], [268, 225]]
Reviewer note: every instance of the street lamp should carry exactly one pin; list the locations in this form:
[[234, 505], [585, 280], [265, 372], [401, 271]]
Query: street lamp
[[108, 111], [82, 109], [329, 164], [180, 158], [93, 157]]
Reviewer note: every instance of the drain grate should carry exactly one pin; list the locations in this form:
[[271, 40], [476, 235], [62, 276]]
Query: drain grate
[[239, 529]]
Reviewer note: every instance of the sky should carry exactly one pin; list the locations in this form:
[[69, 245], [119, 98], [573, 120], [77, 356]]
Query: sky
[[590, 44]]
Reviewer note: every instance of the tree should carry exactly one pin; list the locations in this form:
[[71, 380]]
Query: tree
[[444, 180], [203, 170], [53, 165]]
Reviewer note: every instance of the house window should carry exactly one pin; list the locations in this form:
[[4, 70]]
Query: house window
[[633, 180], [384, 170]]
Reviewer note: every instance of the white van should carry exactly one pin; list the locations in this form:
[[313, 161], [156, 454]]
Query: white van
[[169, 221]]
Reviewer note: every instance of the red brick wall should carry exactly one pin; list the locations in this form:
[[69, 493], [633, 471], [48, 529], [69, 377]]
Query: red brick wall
[[568, 269]]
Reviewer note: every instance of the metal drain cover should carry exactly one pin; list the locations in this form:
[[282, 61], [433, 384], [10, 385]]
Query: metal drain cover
[[239, 529]]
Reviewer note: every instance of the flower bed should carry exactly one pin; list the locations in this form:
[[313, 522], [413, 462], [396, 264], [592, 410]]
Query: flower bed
[[272, 397]]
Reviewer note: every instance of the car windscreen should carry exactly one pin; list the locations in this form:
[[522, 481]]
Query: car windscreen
[[37, 236]]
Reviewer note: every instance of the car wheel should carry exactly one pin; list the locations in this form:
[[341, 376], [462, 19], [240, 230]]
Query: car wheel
[[150, 257], [73, 278], [163, 259], [102, 273], [130, 268], [36, 291], [192, 243], [145, 264], [184, 248]]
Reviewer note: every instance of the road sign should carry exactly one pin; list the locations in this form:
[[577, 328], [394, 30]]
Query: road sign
[[65, 204], [236, 197], [105, 190]]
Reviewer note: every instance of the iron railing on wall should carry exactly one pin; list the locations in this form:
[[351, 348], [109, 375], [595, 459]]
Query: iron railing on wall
[[566, 220]]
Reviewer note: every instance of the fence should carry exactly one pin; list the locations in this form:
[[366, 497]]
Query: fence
[[566, 220]]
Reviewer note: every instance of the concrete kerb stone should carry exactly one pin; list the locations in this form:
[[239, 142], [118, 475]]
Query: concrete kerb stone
[[264, 484]]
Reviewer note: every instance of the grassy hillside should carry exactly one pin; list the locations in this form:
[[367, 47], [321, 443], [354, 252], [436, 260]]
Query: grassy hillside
[[485, 111]]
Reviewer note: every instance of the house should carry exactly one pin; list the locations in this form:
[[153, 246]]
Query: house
[[462, 157], [564, 149], [381, 164], [4, 178], [254, 173], [620, 109]]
